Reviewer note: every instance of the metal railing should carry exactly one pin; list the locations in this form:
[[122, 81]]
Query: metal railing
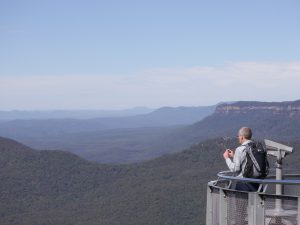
[[227, 206]]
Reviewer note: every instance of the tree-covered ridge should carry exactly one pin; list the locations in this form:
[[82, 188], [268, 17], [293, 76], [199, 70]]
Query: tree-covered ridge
[[60, 188], [55, 187]]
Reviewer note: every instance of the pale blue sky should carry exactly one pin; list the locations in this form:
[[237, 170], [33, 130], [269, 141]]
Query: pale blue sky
[[116, 48]]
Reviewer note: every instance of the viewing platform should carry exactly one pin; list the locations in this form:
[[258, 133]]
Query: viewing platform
[[227, 206], [276, 202]]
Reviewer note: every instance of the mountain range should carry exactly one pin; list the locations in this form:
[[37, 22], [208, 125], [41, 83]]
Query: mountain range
[[107, 140], [142, 137], [74, 114], [166, 116], [58, 187], [131, 145]]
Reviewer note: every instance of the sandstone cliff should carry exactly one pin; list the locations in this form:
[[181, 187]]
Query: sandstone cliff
[[287, 108]]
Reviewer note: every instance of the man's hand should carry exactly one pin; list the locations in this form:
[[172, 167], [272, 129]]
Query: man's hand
[[230, 153], [226, 154]]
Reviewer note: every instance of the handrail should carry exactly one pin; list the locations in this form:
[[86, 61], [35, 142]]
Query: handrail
[[224, 175]]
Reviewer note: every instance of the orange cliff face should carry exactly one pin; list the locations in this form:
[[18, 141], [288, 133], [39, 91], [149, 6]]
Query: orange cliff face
[[273, 108]]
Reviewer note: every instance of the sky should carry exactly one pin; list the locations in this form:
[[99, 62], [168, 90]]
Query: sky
[[72, 54]]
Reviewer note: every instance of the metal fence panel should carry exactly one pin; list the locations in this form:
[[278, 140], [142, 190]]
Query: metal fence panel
[[281, 210], [237, 210]]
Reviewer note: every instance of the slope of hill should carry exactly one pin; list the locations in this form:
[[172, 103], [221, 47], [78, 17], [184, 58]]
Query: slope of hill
[[54, 187]]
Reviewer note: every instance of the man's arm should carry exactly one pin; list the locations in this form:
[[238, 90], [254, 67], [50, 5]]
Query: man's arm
[[235, 164]]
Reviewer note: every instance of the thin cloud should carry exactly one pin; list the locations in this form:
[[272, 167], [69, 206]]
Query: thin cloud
[[154, 88]]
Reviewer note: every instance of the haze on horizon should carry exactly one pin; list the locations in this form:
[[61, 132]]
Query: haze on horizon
[[117, 55]]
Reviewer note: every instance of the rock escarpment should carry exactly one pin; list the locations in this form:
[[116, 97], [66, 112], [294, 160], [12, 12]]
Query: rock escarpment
[[284, 108]]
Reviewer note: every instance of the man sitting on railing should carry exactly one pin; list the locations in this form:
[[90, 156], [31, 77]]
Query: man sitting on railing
[[236, 160]]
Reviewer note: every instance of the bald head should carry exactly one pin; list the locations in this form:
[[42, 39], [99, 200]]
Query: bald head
[[245, 132]]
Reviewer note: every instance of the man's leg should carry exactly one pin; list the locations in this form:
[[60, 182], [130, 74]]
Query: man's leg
[[246, 186]]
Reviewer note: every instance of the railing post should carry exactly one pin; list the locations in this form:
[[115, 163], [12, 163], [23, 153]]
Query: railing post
[[256, 212], [223, 204], [298, 218], [209, 205]]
